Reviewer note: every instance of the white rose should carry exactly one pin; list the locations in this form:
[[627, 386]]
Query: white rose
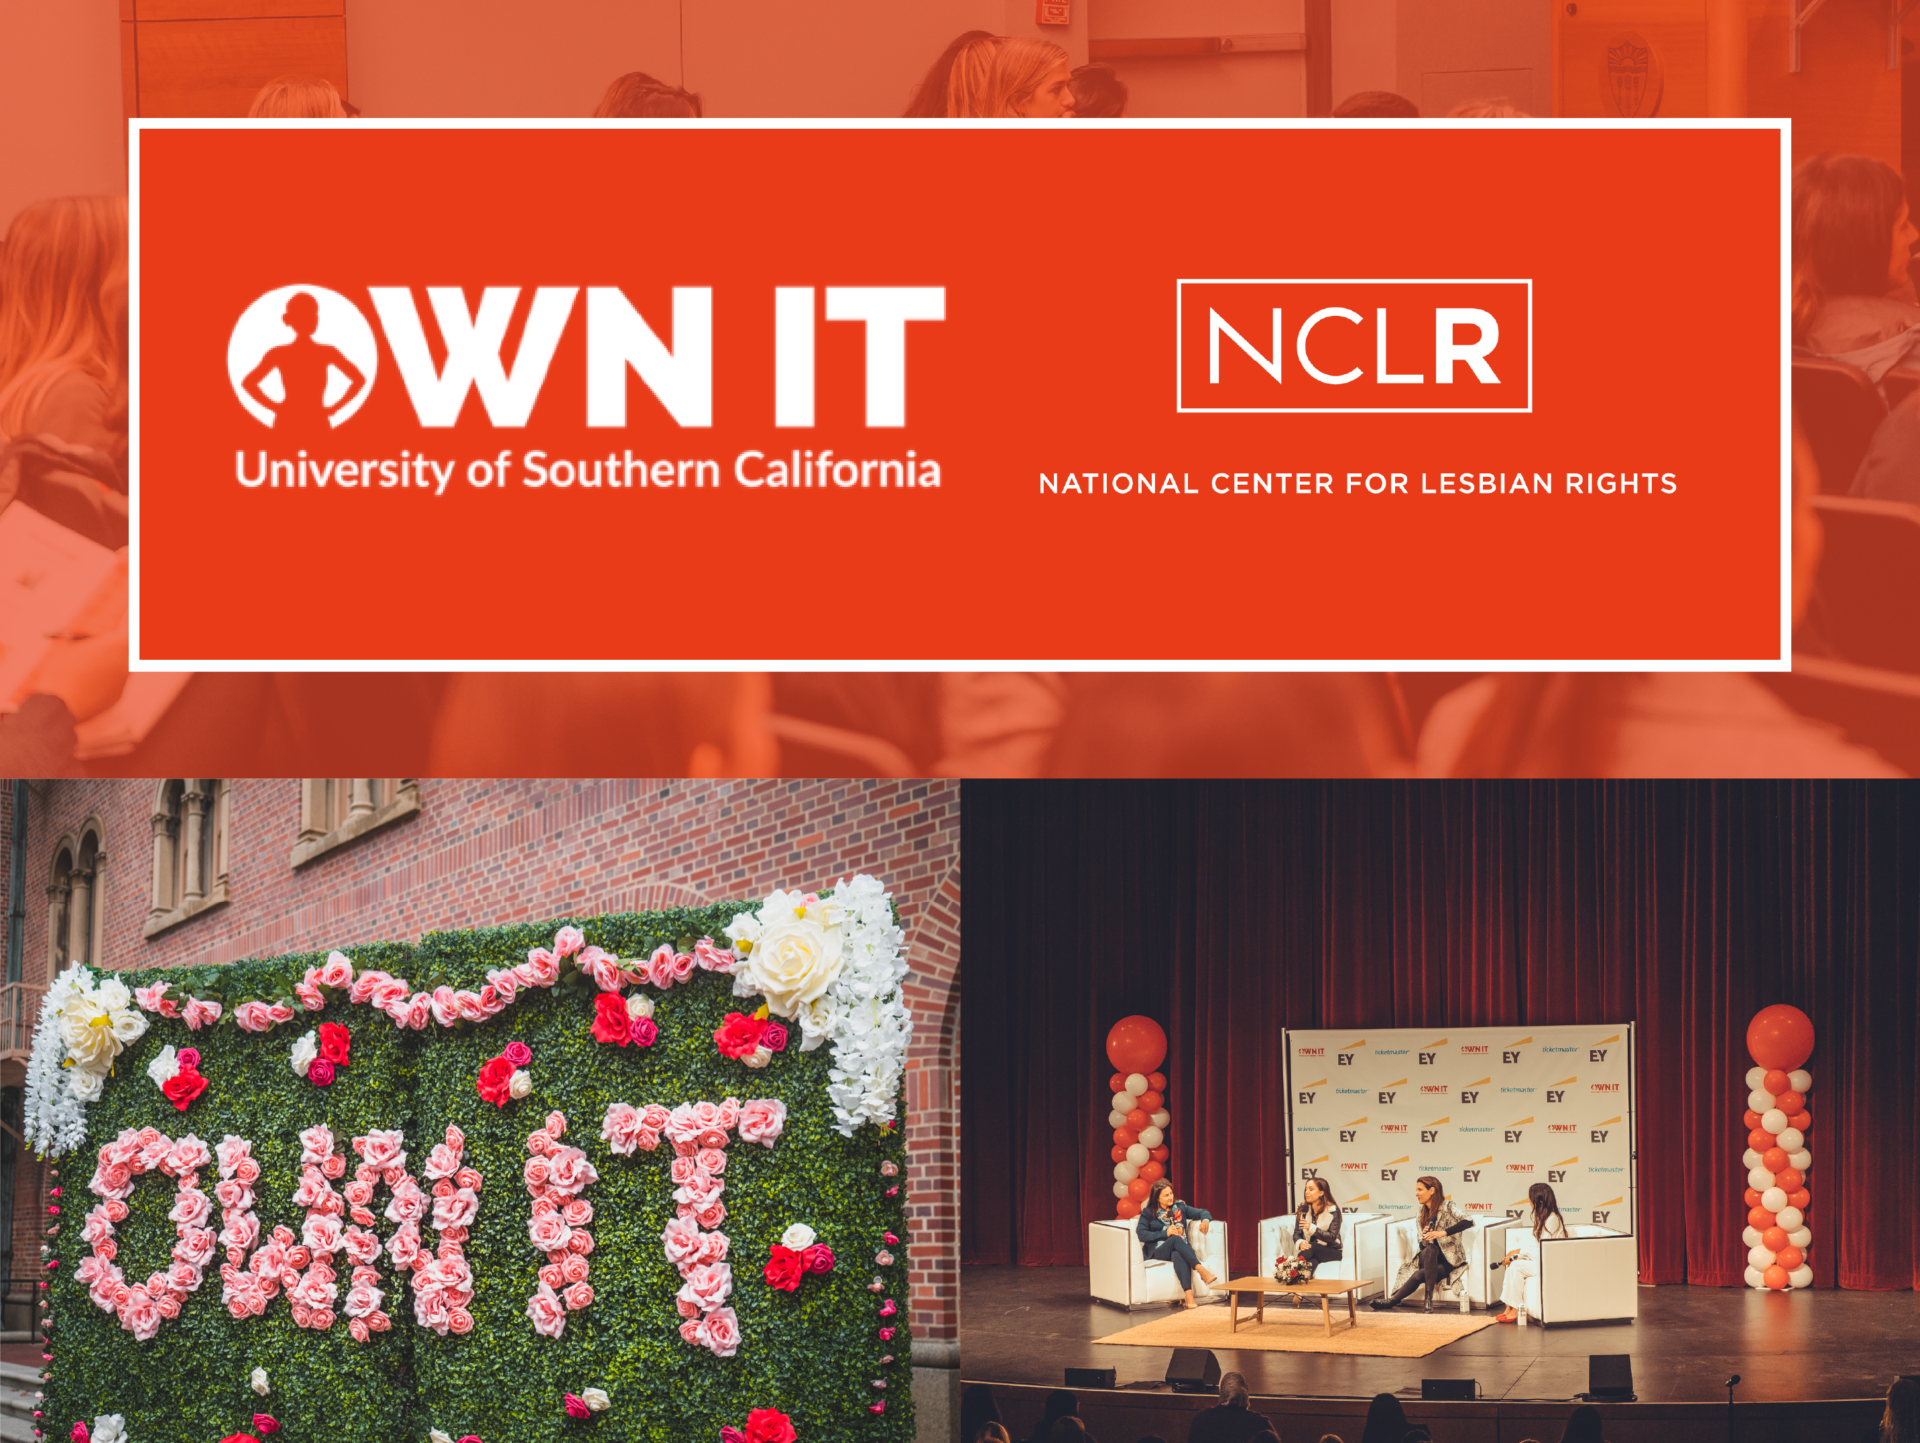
[[596, 1399], [86, 1084], [520, 1084], [128, 1023], [110, 1428], [744, 932], [434, 1435], [639, 1005], [799, 1237], [758, 1058], [304, 1051], [794, 963], [259, 1381], [113, 995], [164, 1068], [87, 1029]]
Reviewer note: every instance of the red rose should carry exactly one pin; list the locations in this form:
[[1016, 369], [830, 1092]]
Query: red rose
[[739, 1035], [183, 1087], [239, 1438], [265, 1423], [334, 1043], [493, 1080], [769, 1425], [518, 1053], [320, 1072], [785, 1268], [610, 1019], [774, 1039]]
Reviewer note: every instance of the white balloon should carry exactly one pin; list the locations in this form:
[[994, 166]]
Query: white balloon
[[1800, 1080], [1801, 1277], [1790, 1138], [1788, 1218], [1123, 1102], [1750, 1159], [1774, 1121], [1774, 1200], [1161, 1118], [1138, 1155], [1136, 1083], [1760, 1257], [1119, 1189], [1151, 1137], [1800, 1161], [1759, 1099], [1801, 1238], [1755, 1077], [1751, 1237], [1754, 1279], [1116, 1119], [1125, 1172], [1759, 1179]]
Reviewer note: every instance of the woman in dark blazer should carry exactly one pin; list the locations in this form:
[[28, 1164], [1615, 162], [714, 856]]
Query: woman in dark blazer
[[1162, 1230], [1441, 1258], [1316, 1227]]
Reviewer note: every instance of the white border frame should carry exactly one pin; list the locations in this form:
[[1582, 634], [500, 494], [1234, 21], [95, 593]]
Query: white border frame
[[1179, 346], [1781, 126]]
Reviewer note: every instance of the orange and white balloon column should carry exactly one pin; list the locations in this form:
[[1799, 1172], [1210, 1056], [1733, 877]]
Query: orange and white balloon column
[[1780, 1040], [1137, 1046]]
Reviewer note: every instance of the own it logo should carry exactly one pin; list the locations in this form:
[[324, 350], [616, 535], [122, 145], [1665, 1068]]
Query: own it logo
[[302, 359]]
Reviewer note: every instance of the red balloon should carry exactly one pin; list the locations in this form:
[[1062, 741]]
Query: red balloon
[[1119, 1153], [1774, 1239], [1137, 1189], [1789, 1102], [1801, 1199], [1138, 1120], [1751, 1121], [1775, 1277], [1789, 1257], [1152, 1101], [1780, 1037], [1126, 1207], [1117, 1083], [1157, 1081], [1788, 1181], [1152, 1171], [1801, 1119], [1775, 1082], [1759, 1219], [1760, 1140], [1753, 1197], [1161, 1153], [1125, 1137], [1774, 1160], [1137, 1044]]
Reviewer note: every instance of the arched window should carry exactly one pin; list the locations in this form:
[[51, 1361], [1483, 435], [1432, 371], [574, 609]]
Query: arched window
[[75, 905], [336, 810], [189, 850]]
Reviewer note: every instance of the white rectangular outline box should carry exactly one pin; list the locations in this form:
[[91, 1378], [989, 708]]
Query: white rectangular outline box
[[1179, 361]]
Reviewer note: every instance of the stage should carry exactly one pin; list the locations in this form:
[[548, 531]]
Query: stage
[[1025, 1326]]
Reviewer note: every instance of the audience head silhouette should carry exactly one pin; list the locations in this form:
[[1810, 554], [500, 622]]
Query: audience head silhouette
[[63, 289], [1901, 1423], [638, 96], [297, 98], [1852, 235], [1098, 94], [1006, 78], [930, 96], [1386, 1420], [1376, 105], [1501, 109], [1583, 1426]]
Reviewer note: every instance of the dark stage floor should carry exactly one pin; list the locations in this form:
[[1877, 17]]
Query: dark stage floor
[[1026, 1325]]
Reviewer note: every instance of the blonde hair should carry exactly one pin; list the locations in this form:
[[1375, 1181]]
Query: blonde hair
[[637, 94], [63, 300], [992, 75], [297, 98], [1501, 109]]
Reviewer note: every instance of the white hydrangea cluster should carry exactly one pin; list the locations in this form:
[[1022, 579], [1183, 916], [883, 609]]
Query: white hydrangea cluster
[[83, 1027], [834, 965]]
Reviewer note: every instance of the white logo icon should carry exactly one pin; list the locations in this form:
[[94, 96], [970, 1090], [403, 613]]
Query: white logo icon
[[302, 358]]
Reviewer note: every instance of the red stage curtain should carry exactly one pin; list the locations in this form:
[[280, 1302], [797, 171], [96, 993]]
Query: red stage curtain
[[1232, 910]]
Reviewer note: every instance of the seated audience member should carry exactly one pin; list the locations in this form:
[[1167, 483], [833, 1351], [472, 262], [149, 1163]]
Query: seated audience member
[[1230, 1420], [1901, 1422], [63, 292], [1098, 94], [977, 1409], [1060, 1404], [1376, 105], [991, 1433], [1070, 1430], [1651, 724], [1852, 242], [1501, 109], [1386, 1420], [930, 96], [637, 96], [1583, 1426], [297, 98], [1010, 78]]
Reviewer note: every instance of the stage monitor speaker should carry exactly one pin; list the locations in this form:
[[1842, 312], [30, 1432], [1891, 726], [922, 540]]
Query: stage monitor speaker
[[1090, 1377], [1193, 1370], [1609, 1378], [1449, 1390]]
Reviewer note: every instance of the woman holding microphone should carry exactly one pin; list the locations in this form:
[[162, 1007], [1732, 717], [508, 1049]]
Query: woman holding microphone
[[1524, 1261], [1162, 1231], [1441, 1258]]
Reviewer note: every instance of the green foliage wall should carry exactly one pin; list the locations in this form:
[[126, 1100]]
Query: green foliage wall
[[813, 1354]]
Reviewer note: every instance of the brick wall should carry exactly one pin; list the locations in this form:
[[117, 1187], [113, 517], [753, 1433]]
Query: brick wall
[[485, 852]]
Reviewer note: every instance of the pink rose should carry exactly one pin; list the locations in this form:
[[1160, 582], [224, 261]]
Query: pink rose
[[419, 1010], [700, 1186], [198, 1014], [408, 1203], [819, 1258], [233, 1194], [442, 1162], [774, 1039], [643, 1031], [571, 1171], [574, 1268], [578, 1296], [506, 983], [246, 1170], [682, 967], [708, 1286], [517, 1053], [338, 972], [469, 1007], [660, 967], [366, 985], [548, 1232], [621, 1128], [253, 1016], [762, 1120], [188, 1154], [362, 1300], [360, 1192], [388, 993], [185, 1278], [537, 1172], [604, 971], [309, 995], [404, 1246], [191, 1206], [459, 1320], [567, 941], [556, 1125], [316, 1144], [542, 971], [713, 1247], [554, 1275], [712, 1159], [362, 1246], [547, 1312], [154, 999], [139, 1314], [242, 1230], [690, 1331], [655, 1117], [467, 1178], [578, 1212], [581, 1241], [720, 1331], [710, 958], [681, 1241], [711, 1215], [322, 1233], [382, 1149], [456, 1211]]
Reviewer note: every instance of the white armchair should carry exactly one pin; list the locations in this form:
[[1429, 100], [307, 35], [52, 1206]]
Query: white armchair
[[1591, 1275], [1363, 1248], [1476, 1284], [1118, 1274]]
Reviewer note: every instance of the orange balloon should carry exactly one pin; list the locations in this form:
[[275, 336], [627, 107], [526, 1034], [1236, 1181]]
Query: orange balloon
[[1753, 1197], [1788, 1181], [1137, 1189], [1789, 1102], [1153, 1171], [1161, 1153], [1126, 1207], [1759, 1219], [1760, 1140], [1138, 1120], [1775, 1277], [1151, 1100], [1751, 1120], [1125, 1137], [1119, 1153], [1775, 1082], [1157, 1081], [1774, 1239], [1789, 1257], [1801, 1119], [1117, 1083], [1801, 1199], [1137, 1044], [1779, 1037], [1774, 1160]]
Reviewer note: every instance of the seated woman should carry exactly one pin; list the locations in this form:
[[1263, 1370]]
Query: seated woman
[[1524, 1261], [1316, 1227], [1441, 1259], [1852, 243], [1162, 1230]]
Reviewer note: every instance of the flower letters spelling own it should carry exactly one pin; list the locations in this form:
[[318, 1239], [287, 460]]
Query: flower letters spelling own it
[[142, 1307], [555, 1176]]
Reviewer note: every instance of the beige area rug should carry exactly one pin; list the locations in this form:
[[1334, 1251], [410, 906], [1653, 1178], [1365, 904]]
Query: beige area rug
[[1299, 1330]]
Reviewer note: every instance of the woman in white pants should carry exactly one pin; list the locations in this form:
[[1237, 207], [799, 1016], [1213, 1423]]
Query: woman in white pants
[[1524, 1261]]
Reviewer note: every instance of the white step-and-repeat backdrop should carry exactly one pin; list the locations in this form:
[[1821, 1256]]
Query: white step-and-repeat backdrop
[[1488, 1111]]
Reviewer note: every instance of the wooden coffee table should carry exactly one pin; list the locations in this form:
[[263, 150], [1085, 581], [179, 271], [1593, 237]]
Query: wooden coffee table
[[1325, 1289]]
